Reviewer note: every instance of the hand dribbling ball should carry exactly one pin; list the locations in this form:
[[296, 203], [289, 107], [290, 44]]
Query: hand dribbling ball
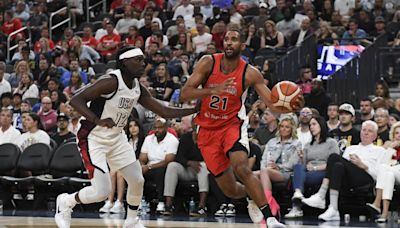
[[284, 96]]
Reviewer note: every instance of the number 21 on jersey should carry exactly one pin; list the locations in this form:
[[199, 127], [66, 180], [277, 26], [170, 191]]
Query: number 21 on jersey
[[218, 103]]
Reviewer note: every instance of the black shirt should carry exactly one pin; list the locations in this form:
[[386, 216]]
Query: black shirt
[[62, 138], [345, 138], [160, 88], [188, 150], [382, 137]]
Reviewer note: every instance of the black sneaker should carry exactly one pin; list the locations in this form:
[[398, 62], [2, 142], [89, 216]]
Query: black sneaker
[[200, 212], [169, 210]]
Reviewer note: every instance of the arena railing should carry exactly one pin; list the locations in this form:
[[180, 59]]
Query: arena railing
[[357, 78], [10, 37], [67, 20], [91, 7]]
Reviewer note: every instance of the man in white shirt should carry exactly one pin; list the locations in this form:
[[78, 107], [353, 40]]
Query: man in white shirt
[[185, 9], [358, 167], [8, 134], [5, 86], [158, 150], [303, 132], [207, 9], [344, 6], [203, 38]]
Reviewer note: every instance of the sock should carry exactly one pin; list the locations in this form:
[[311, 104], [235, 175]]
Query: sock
[[322, 191], [266, 211], [132, 212], [71, 201], [333, 197]]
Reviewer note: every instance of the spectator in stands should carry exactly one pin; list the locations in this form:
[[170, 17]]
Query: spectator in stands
[[357, 167], [388, 176], [366, 111], [365, 23], [74, 123], [299, 35], [6, 100], [22, 47], [58, 101], [11, 24], [75, 83], [44, 48], [254, 119], [88, 38], [134, 38], [136, 135], [277, 12], [344, 7], [379, 9], [311, 163], [5, 86], [25, 108], [382, 90], [27, 88], [21, 68], [353, 35], [103, 30], [185, 9], [174, 39], [346, 134], [318, 98], [108, 44], [288, 25], [44, 33], [303, 130], [126, 22], [267, 131], [157, 37], [270, 36], [278, 159], [393, 118], [327, 10], [76, 11], [74, 66], [206, 9], [21, 12], [314, 21], [8, 134], [146, 30], [199, 42], [33, 133], [150, 11], [66, 38], [173, 29], [326, 35], [381, 118], [263, 15], [158, 150], [305, 80], [48, 115], [63, 134], [43, 92], [189, 166], [84, 51], [86, 67], [253, 40], [162, 83], [115, 4], [333, 117], [37, 21], [379, 28], [218, 34]]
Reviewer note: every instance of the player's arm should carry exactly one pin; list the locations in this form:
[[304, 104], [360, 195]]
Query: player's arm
[[254, 78], [150, 103], [79, 101], [191, 90]]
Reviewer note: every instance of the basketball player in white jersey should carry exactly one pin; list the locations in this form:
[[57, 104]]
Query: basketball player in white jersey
[[102, 139]]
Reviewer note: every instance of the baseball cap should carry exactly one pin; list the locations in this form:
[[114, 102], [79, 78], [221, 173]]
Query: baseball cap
[[379, 19], [263, 5], [177, 47], [62, 116], [347, 108]]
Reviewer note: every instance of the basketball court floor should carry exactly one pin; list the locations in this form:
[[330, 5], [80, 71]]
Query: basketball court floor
[[44, 219]]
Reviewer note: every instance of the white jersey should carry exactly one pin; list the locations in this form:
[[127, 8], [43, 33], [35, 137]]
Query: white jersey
[[118, 106]]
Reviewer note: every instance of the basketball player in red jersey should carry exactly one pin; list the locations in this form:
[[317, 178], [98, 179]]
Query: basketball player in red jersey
[[222, 137]]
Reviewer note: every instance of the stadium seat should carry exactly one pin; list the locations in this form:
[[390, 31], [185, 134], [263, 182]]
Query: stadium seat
[[111, 64], [267, 53], [9, 155]]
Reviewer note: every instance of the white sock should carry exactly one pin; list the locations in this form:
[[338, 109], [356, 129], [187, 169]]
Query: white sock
[[132, 214]]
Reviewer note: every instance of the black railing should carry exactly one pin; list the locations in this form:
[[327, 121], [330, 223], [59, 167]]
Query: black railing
[[357, 78]]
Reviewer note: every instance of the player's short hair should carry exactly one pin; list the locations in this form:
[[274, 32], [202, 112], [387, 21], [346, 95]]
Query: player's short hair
[[236, 28]]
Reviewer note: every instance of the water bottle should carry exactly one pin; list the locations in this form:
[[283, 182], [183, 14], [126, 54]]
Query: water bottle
[[175, 97], [192, 206]]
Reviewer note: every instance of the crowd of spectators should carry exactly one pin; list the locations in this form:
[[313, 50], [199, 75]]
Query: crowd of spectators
[[42, 75]]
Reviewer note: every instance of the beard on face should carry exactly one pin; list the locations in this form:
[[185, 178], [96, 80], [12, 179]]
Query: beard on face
[[235, 54], [161, 136]]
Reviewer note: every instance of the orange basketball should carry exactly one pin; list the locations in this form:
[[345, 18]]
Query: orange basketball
[[284, 95]]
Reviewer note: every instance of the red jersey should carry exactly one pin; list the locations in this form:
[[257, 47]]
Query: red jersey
[[226, 108], [110, 39], [37, 46], [90, 41]]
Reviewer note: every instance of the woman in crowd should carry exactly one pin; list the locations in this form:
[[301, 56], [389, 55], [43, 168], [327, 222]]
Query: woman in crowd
[[33, 133], [326, 36], [84, 51], [20, 68], [382, 90], [27, 87], [252, 40], [75, 83], [279, 158], [270, 36], [388, 176], [162, 83], [134, 38], [311, 162]]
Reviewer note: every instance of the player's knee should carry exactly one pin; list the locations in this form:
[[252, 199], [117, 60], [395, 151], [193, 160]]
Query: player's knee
[[103, 192]]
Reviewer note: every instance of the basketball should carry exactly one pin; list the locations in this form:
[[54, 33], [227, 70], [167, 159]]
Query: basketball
[[284, 95]]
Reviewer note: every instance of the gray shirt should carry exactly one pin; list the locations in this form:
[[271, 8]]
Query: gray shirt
[[319, 153]]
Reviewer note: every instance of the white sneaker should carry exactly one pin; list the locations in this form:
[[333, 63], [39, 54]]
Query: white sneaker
[[254, 212], [294, 213], [63, 212], [118, 207], [107, 206], [315, 201], [298, 195], [133, 223], [160, 207], [273, 223], [230, 211], [330, 215], [222, 209]]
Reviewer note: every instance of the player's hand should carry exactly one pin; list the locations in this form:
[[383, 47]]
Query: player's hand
[[224, 87], [273, 165], [298, 104], [195, 165], [109, 123]]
